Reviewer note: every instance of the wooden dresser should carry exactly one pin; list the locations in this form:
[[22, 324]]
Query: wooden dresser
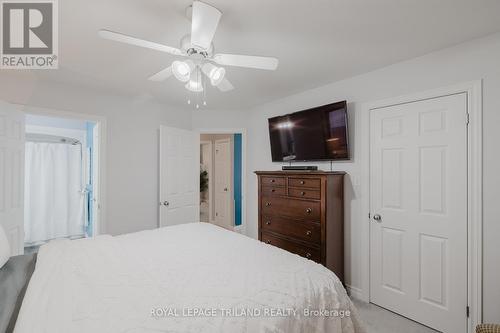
[[303, 212]]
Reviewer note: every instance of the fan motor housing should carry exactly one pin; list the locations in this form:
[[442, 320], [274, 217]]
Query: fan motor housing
[[193, 50]]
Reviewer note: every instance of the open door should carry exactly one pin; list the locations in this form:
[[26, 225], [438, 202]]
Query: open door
[[179, 176], [12, 175], [223, 186]]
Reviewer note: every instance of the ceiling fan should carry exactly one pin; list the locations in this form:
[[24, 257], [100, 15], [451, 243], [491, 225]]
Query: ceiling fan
[[198, 48]]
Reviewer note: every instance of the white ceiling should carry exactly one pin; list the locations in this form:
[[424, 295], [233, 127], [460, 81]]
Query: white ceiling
[[316, 41]]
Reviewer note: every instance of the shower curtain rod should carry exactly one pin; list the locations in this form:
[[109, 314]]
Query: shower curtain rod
[[47, 138]]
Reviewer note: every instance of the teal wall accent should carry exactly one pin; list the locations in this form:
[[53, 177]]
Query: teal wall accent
[[237, 177]]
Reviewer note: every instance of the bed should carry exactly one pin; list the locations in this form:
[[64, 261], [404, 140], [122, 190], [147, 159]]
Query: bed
[[187, 278]]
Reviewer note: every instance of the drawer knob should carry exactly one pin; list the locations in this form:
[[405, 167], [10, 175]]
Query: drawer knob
[[272, 180], [268, 222], [268, 241], [309, 210], [273, 190], [302, 182], [308, 232], [302, 193], [268, 204], [308, 255]]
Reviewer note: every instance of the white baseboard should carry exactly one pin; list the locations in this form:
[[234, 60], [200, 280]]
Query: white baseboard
[[354, 292]]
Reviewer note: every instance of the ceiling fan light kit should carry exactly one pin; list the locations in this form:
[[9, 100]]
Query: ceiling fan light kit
[[199, 49]]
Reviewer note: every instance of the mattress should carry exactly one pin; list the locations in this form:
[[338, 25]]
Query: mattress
[[187, 278]]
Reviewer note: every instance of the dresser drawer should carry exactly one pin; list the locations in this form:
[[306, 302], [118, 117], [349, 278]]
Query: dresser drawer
[[273, 181], [304, 193], [304, 182], [274, 206], [306, 231], [273, 191], [297, 248]]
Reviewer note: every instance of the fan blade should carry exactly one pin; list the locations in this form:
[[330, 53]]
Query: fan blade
[[118, 37], [268, 63], [161, 75], [204, 21], [225, 85]]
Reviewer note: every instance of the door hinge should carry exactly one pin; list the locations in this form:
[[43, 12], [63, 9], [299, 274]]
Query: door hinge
[[467, 311], [467, 119]]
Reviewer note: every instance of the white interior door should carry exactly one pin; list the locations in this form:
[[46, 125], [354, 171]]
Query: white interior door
[[222, 186], [179, 176], [418, 199], [12, 175]]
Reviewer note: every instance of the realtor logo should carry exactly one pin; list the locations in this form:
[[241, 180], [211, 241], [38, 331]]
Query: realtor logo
[[29, 34]]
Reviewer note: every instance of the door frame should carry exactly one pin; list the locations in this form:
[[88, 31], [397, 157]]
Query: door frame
[[473, 89], [243, 227], [101, 223], [210, 181]]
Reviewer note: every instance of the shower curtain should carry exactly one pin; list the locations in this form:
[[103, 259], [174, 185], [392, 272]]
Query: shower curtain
[[54, 197]]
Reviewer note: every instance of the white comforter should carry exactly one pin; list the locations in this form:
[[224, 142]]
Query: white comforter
[[187, 278]]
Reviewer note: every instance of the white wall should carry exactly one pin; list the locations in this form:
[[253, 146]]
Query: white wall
[[132, 142], [478, 59]]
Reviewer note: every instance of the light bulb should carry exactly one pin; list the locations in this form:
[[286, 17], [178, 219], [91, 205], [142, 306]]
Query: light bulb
[[204, 102], [214, 73], [194, 86], [217, 75], [197, 106], [181, 70], [189, 101]]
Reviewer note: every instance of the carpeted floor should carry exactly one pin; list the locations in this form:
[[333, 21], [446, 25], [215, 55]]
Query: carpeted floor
[[380, 320]]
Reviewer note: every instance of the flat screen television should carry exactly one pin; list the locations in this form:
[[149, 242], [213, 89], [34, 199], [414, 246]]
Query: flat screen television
[[317, 134]]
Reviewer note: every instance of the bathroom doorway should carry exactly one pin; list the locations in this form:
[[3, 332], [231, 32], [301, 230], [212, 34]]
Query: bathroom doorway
[[61, 179]]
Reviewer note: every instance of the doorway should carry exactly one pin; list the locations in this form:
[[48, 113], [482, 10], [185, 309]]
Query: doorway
[[60, 179], [13, 135], [422, 183], [221, 179], [418, 237]]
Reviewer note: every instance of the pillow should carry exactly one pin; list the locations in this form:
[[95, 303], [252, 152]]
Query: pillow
[[4, 247]]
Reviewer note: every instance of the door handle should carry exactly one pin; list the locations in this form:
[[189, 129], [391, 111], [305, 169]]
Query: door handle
[[165, 203], [377, 218], [225, 189]]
